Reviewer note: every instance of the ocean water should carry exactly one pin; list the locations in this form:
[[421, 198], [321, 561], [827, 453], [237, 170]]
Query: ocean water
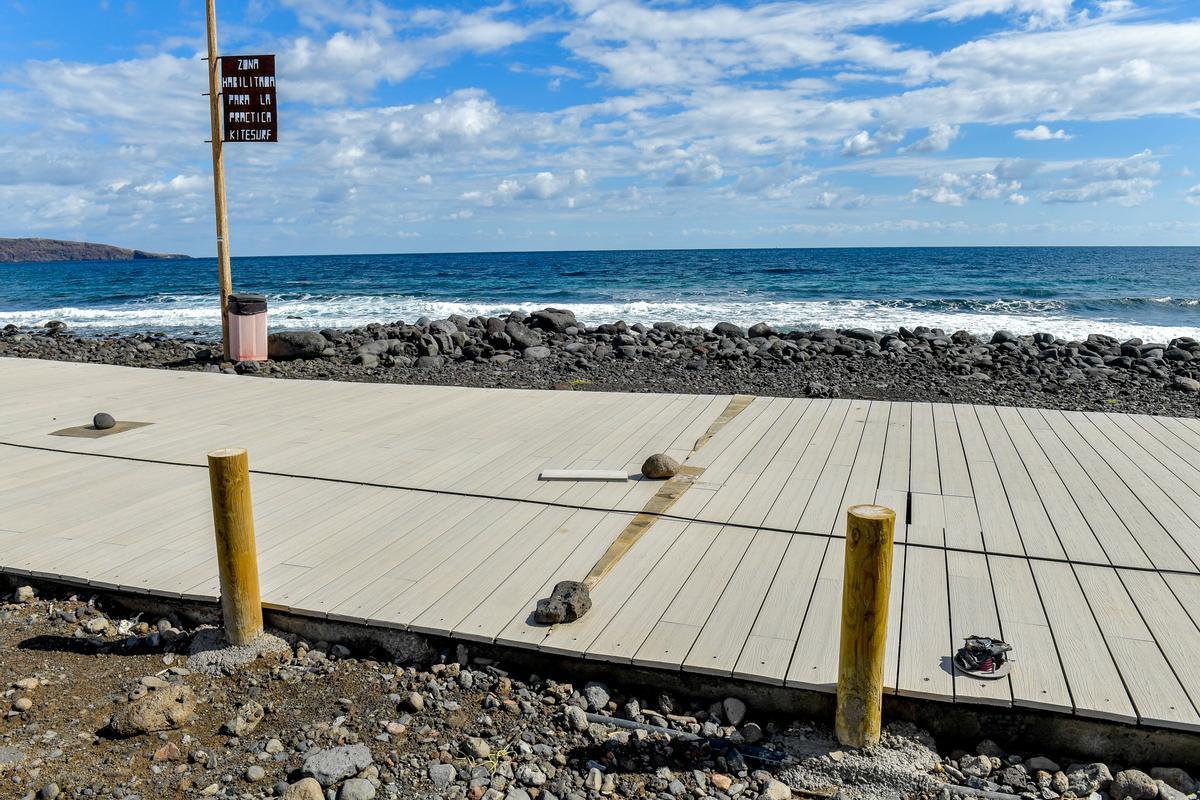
[[1149, 292]]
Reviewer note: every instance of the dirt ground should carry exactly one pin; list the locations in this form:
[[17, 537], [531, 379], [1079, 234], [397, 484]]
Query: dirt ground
[[67, 667]]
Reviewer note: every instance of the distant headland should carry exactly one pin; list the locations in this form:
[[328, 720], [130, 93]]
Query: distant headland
[[58, 250]]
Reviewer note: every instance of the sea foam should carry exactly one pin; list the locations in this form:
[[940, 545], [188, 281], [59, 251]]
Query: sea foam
[[186, 314]]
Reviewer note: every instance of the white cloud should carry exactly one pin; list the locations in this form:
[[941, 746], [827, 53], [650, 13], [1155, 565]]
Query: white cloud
[[824, 200], [776, 183], [180, 184], [541, 186], [701, 169], [374, 43], [938, 139], [460, 120], [1036, 12], [1131, 192], [1041, 133], [1192, 195], [953, 189], [1124, 181], [864, 144]]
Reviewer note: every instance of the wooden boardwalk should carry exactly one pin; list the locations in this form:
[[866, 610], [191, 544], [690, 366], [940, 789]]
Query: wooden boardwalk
[[1072, 535]]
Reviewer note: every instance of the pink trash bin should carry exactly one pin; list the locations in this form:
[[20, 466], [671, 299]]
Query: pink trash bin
[[247, 327]]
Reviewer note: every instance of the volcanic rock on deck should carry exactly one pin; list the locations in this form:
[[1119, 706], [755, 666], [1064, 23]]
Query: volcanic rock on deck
[[289, 345], [568, 602], [103, 421], [660, 465]]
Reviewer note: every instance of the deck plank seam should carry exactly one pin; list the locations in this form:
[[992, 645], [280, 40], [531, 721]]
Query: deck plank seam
[[1027, 559], [1187, 485], [1166, 658], [1071, 420]]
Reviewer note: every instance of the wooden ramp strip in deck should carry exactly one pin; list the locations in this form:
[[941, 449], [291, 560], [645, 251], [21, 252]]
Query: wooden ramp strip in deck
[[737, 404], [662, 501], [665, 497]]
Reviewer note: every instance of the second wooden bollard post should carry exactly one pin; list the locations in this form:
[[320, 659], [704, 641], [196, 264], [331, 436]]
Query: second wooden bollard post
[[866, 586], [237, 555]]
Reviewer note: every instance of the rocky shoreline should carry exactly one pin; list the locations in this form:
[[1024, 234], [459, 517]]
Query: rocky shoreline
[[98, 704], [549, 348]]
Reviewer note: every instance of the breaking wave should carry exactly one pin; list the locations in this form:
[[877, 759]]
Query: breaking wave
[[183, 314]]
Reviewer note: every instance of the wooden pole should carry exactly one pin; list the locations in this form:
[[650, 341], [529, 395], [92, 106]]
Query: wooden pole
[[866, 586], [237, 556], [218, 157]]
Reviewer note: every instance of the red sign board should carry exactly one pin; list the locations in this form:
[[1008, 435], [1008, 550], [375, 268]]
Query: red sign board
[[248, 108]]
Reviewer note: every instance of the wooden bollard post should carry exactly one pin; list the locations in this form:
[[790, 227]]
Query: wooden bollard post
[[865, 588], [237, 557]]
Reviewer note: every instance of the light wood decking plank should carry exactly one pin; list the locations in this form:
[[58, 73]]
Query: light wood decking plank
[[1120, 546], [1175, 632], [923, 464], [1072, 528], [1157, 695], [612, 593], [814, 662], [997, 525], [953, 475], [925, 669], [768, 649], [1037, 679], [1033, 524], [723, 635], [1106, 469], [973, 613], [1093, 677]]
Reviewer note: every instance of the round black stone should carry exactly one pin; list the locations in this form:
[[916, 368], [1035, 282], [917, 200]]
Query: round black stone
[[103, 421]]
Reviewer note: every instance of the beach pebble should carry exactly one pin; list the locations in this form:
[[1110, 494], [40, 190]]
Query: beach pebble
[[475, 747], [1134, 784], [289, 345], [246, 720], [729, 329], [357, 789], [161, 710], [336, 763], [777, 790], [305, 789], [103, 421], [1176, 778], [576, 718], [596, 695], [441, 776], [734, 710]]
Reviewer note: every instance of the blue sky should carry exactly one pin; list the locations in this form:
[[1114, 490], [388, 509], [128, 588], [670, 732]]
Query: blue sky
[[626, 124]]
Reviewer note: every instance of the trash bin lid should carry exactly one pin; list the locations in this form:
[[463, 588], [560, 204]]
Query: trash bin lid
[[245, 303]]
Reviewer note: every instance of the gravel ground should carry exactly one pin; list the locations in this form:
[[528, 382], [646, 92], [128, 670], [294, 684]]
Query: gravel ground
[[549, 349], [98, 706]]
